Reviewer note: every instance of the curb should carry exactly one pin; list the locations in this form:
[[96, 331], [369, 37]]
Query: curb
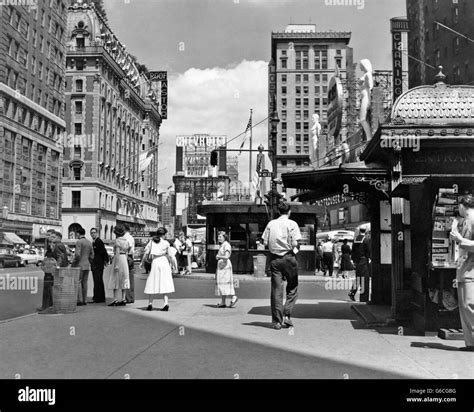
[[18, 318], [369, 318]]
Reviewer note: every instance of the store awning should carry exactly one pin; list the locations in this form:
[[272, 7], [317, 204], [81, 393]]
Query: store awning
[[13, 238], [328, 180]]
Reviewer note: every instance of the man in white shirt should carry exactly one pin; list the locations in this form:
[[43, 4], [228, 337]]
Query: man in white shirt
[[130, 295], [282, 237], [328, 255]]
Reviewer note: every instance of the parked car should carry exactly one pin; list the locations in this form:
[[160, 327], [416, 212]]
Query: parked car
[[9, 259], [31, 256]]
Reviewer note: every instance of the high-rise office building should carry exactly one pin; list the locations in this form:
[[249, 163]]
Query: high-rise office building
[[32, 63], [439, 35], [302, 63]]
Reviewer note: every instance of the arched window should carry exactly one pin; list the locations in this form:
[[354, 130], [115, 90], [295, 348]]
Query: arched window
[[112, 232], [72, 231], [106, 232]]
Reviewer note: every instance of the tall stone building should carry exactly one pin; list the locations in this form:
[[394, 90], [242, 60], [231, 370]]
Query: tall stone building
[[110, 167], [303, 61], [433, 44], [32, 77]]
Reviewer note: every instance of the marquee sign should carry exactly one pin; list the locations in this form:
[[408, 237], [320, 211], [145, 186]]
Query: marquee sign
[[159, 81], [195, 152], [398, 26], [203, 140]]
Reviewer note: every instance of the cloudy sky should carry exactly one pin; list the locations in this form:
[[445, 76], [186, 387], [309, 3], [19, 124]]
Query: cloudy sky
[[216, 53]]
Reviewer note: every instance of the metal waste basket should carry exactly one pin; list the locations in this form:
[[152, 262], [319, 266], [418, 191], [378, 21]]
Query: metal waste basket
[[259, 262], [65, 288]]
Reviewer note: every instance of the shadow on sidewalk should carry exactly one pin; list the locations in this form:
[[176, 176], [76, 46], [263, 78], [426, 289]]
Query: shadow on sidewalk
[[268, 325], [320, 310]]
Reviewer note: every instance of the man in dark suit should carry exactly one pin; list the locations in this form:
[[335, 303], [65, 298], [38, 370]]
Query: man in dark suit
[[56, 250], [101, 259], [83, 256]]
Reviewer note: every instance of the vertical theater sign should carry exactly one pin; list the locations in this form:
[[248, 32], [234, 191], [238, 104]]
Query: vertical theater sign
[[159, 82]]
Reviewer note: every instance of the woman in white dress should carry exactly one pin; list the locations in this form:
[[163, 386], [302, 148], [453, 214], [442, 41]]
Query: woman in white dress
[[160, 279], [224, 276], [120, 277]]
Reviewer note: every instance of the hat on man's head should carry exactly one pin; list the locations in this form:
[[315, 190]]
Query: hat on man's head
[[119, 231]]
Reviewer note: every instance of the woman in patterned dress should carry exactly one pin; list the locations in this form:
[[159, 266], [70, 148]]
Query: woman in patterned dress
[[120, 277], [224, 276]]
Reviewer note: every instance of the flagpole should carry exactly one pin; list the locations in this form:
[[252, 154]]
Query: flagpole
[[250, 153]]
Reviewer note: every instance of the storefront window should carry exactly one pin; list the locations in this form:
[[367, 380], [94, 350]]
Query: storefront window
[[238, 236]]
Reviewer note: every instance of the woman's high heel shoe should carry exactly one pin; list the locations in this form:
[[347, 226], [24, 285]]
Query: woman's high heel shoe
[[114, 303], [165, 308], [122, 303]]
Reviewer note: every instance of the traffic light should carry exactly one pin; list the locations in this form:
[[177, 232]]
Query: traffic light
[[214, 158]]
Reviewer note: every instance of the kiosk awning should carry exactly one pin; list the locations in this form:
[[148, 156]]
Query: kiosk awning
[[13, 238], [328, 180]]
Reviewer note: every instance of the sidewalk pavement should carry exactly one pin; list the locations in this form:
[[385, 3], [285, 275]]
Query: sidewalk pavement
[[196, 340], [304, 276]]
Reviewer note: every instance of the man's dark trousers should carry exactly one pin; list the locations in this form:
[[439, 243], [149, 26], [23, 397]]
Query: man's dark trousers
[[283, 268], [48, 282], [99, 290], [130, 293], [328, 259]]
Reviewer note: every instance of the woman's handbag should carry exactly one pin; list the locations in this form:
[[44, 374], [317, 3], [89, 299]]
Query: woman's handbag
[[49, 265], [221, 264]]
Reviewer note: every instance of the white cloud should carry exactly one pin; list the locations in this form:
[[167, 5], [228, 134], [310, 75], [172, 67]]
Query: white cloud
[[215, 101]]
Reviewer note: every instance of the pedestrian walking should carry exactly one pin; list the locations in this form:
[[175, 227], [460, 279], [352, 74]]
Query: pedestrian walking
[[282, 236], [319, 257], [83, 256], [55, 257], [328, 255], [130, 295], [160, 279], [180, 246], [465, 269], [346, 261], [361, 253], [173, 252], [119, 273], [101, 259], [187, 253], [224, 275]]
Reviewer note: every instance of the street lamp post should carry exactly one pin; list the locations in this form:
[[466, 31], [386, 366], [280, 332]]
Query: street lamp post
[[274, 124]]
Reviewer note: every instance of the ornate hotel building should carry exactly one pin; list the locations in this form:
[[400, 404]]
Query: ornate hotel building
[[110, 168], [32, 59]]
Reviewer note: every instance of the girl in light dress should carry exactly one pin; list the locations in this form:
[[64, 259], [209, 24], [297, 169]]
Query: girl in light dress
[[160, 279], [224, 275], [120, 277]]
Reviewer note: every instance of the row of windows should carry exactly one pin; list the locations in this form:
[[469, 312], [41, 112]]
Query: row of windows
[[305, 101], [31, 119], [305, 89], [290, 163], [305, 77], [318, 64], [23, 27]]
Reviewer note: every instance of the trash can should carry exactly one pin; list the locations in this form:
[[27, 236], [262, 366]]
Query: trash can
[[259, 263], [65, 289]]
